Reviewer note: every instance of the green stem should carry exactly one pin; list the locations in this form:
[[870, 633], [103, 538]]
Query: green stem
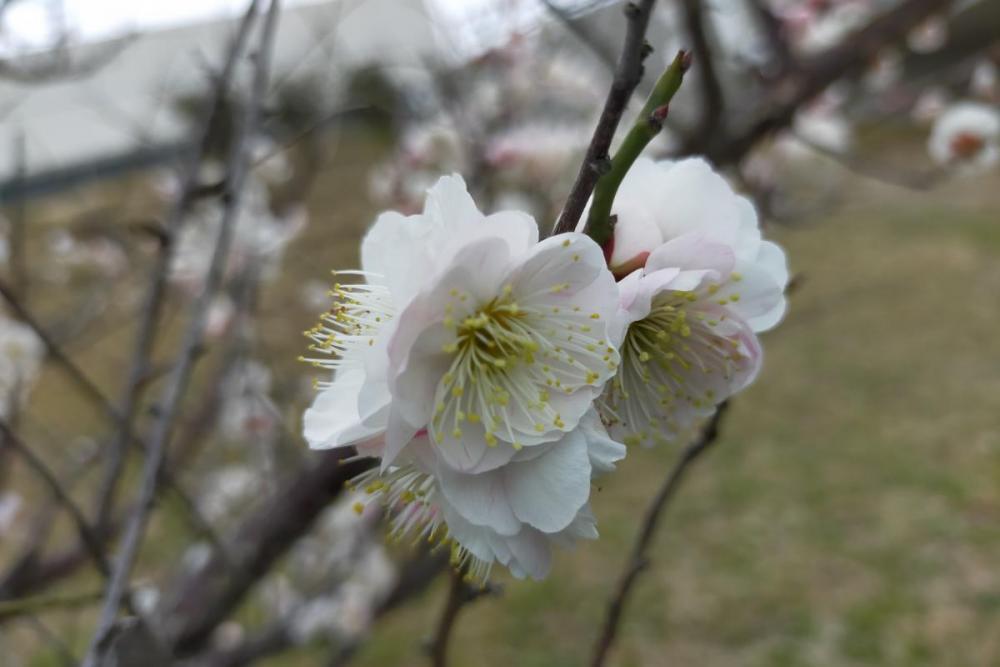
[[600, 225]]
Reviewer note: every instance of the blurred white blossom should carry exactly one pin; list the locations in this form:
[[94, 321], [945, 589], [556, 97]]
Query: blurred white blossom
[[966, 136]]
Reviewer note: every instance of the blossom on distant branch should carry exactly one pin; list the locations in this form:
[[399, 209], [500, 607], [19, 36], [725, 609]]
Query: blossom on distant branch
[[966, 136]]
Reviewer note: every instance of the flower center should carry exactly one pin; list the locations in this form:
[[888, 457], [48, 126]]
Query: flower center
[[966, 145], [677, 358], [508, 362]]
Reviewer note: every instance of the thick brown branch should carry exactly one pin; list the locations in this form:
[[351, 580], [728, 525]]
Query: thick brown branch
[[712, 100], [638, 560], [203, 599], [627, 76]]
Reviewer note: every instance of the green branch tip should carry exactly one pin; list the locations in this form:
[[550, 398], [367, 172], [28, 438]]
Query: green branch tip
[[600, 222]]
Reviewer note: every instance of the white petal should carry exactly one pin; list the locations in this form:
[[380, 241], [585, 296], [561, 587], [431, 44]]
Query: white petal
[[692, 197], [772, 259], [601, 449], [532, 555], [636, 233], [519, 230], [566, 258], [398, 435], [449, 204], [333, 419], [583, 527], [692, 251], [759, 296], [480, 499], [547, 492]]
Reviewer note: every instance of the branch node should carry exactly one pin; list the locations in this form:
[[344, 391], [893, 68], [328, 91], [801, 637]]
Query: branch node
[[601, 165], [686, 58]]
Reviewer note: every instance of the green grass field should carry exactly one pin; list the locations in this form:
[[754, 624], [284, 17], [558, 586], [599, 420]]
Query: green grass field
[[850, 513]]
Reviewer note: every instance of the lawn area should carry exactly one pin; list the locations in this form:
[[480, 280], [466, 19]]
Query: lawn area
[[850, 513]]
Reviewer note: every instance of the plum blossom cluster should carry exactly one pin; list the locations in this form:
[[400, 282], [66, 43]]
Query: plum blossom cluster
[[495, 375]]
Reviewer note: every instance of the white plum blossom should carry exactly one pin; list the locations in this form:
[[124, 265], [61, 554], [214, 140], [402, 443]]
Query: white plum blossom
[[698, 283], [467, 362], [510, 345], [983, 83], [822, 128], [929, 36], [21, 355], [966, 136], [229, 491], [466, 325]]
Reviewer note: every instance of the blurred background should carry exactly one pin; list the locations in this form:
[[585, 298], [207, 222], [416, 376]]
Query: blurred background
[[848, 515]]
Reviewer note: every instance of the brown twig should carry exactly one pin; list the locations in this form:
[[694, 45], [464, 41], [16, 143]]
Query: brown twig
[[628, 73], [94, 394], [712, 100], [178, 381], [55, 487], [639, 560], [460, 594]]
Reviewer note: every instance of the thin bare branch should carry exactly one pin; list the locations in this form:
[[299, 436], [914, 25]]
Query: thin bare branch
[[154, 300], [712, 102], [594, 42], [83, 529], [94, 394], [177, 384], [460, 594], [639, 560], [627, 76]]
